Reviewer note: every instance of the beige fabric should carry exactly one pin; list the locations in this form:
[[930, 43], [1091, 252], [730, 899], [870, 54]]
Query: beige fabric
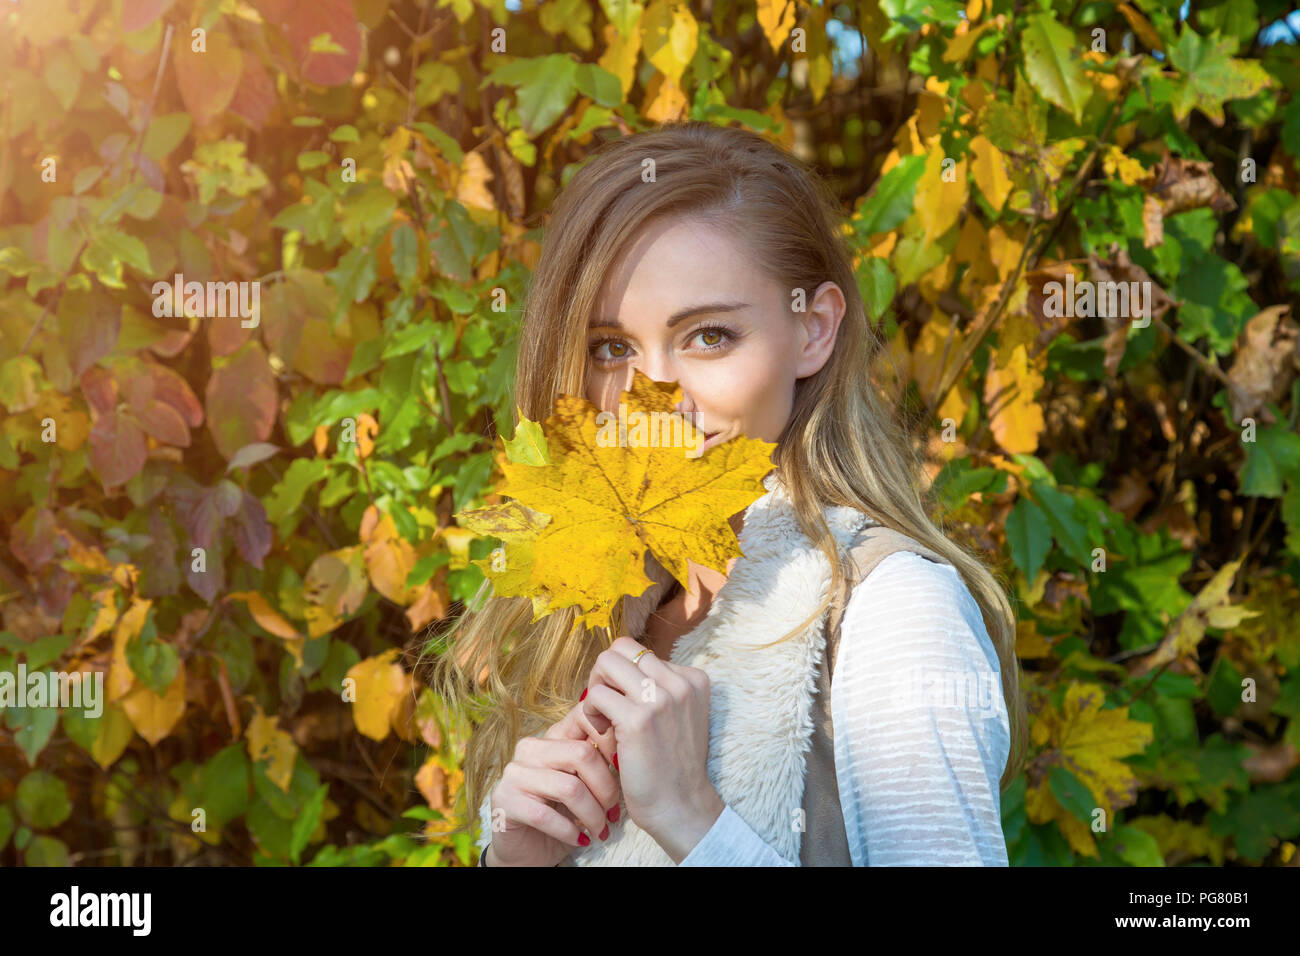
[[825, 842]]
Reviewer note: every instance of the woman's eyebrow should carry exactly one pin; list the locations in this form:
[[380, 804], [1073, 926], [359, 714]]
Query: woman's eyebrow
[[681, 314]]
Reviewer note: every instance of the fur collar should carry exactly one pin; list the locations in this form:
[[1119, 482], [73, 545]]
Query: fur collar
[[761, 701]]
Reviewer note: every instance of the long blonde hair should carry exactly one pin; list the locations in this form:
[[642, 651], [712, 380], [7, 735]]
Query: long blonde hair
[[843, 445]]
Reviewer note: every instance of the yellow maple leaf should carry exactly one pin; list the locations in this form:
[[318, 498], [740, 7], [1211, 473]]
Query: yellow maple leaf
[[612, 492], [266, 741], [1089, 742]]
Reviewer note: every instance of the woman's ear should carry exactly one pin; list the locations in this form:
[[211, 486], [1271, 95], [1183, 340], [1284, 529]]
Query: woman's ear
[[821, 324]]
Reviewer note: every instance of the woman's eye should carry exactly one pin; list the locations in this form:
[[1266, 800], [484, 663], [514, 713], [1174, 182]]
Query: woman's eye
[[704, 336], [612, 356]]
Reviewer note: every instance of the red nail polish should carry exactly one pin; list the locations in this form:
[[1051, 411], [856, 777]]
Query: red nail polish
[[584, 694], [615, 761], [604, 834], [612, 813], [583, 839]]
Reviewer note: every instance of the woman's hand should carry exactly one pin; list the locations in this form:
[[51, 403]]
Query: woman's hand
[[659, 712], [559, 767]]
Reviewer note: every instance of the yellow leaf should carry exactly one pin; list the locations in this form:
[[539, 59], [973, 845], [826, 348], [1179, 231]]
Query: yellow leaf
[[471, 187], [389, 556], [266, 741], [959, 47], [1089, 742], [776, 17], [612, 493], [457, 541], [665, 101], [1030, 644], [1185, 634], [937, 342], [105, 614], [819, 53], [430, 604], [115, 732], [154, 716], [1142, 27], [367, 429], [621, 53], [270, 620], [380, 684], [1009, 391], [320, 440], [335, 586], [990, 171], [120, 676], [671, 35], [1117, 164], [939, 200]]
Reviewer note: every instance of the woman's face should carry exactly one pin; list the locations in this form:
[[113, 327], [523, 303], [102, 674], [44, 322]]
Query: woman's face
[[686, 305]]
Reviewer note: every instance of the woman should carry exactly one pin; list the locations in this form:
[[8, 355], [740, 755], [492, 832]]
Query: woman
[[711, 258]]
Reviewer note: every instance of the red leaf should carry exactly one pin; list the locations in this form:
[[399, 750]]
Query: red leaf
[[165, 424], [255, 97], [100, 389], [88, 327], [226, 334], [117, 449], [138, 14], [208, 80], [241, 400], [33, 537], [175, 391], [301, 20], [296, 326], [251, 531]]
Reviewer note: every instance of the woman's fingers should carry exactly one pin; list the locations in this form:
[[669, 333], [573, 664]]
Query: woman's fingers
[[575, 757], [575, 725], [642, 682], [565, 788], [536, 813]]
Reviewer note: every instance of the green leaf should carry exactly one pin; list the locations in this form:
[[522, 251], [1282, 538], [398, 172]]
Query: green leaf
[[1061, 512], [1071, 793], [1211, 75], [877, 285], [305, 822], [165, 134], [42, 800], [47, 851], [1028, 537], [598, 84], [1273, 456], [528, 447], [1052, 63], [892, 202], [1136, 847], [224, 784], [545, 86], [908, 16]]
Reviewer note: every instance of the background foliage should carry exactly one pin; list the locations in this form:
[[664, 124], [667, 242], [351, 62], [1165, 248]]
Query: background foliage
[[382, 168]]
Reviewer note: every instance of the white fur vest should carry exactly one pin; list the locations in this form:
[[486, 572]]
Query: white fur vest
[[761, 712]]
